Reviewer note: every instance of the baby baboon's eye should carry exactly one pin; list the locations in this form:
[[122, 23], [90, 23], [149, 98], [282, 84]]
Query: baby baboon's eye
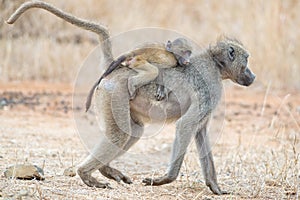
[[231, 53]]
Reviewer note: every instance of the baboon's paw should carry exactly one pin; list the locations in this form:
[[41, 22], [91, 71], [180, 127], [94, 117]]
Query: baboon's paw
[[114, 174], [101, 185], [216, 189], [220, 192], [157, 181], [92, 182], [148, 181], [160, 95]]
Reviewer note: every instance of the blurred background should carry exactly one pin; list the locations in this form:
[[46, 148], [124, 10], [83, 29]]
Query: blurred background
[[41, 47]]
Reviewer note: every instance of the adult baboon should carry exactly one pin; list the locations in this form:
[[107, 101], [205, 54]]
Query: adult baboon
[[195, 92]]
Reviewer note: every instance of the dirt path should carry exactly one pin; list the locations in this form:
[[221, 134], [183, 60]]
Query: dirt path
[[256, 155]]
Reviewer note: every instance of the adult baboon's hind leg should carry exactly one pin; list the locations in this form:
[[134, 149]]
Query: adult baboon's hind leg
[[106, 151], [115, 174], [113, 111]]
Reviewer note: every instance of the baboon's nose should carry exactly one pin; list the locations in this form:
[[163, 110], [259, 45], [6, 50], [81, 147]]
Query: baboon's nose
[[253, 77], [250, 80]]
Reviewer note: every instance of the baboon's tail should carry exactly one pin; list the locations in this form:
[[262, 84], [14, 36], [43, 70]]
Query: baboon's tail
[[82, 23], [90, 96], [114, 65]]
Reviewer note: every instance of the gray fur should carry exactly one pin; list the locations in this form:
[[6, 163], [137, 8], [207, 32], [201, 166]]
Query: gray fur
[[194, 93]]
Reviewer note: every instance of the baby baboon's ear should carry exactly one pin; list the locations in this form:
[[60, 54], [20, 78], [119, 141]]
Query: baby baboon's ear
[[169, 46], [188, 53]]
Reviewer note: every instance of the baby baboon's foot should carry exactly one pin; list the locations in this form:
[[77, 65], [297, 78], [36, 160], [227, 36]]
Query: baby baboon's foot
[[158, 181], [131, 90], [132, 95], [91, 181], [160, 94], [114, 174]]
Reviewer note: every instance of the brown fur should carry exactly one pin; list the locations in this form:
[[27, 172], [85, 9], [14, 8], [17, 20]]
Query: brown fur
[[146, 61], [195, 93]]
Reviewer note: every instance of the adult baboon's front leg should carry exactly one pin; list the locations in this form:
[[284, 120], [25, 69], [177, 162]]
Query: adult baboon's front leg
[[206, 160], [186, 128]]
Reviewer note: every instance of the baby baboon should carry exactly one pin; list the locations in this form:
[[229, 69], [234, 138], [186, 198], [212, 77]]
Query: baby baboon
[[195, 93], [146, 61]]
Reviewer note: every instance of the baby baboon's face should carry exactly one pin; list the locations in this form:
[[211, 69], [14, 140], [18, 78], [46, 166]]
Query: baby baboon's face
[[182, 50], [233, 60]]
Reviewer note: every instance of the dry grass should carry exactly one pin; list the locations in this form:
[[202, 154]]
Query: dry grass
[[256, 157], [53, 50]]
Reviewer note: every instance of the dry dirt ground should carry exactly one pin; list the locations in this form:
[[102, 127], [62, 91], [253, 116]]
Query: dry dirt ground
[[256, 155]]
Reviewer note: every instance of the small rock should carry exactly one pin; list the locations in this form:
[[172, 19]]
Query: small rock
[[71, 171], [26, 172], [13, 141], [21, 194], [3, 102]]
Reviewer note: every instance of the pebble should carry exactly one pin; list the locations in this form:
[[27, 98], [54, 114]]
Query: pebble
[[26, 172], [71, 171]]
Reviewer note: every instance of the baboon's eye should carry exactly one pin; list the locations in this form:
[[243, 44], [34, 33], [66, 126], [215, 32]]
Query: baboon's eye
[[231, 53], [243, 68]]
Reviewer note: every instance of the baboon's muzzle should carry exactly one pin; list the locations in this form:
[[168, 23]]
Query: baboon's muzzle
[[246, 78]]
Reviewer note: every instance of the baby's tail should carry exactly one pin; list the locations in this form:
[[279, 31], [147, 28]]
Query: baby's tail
[[114, 65]]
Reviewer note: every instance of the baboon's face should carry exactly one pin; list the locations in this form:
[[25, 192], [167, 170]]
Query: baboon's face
[[233, 60], [181, 49]]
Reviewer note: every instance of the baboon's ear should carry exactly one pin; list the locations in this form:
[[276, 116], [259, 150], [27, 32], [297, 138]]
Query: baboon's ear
[[231, 54], [169, 46], [216, 55], [188, 53]]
